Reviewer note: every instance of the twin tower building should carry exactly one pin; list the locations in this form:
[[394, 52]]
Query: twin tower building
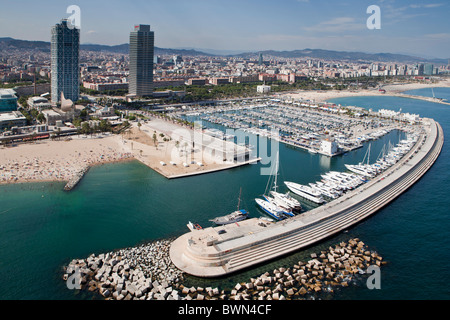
[[65, 61]]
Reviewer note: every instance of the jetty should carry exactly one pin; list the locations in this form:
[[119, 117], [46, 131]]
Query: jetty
[[429, 99], [218, 251], [72, 183]]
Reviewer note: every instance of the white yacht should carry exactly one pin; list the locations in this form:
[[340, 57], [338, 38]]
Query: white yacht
[[270, 209], [286, 200], [305, 192]]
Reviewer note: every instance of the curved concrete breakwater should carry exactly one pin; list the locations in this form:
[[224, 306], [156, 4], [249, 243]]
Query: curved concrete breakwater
[[218, 251]]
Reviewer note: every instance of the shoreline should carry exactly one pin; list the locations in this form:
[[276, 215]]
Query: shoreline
[[60, 161], [174, 157], [395, 90], [25, 181]]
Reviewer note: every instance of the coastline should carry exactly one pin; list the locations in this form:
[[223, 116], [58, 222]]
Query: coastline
[[173, 157], [395, 90], [57, 161], [61, 161]]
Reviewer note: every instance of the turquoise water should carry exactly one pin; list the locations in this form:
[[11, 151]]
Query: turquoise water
[[119, 205]]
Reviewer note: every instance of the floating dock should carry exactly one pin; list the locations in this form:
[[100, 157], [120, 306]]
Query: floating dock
[[217, 251]]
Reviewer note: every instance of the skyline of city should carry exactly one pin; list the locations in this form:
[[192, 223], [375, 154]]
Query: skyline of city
[[409, 28]]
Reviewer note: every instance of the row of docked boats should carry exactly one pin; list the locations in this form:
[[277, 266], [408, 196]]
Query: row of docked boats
[[386, 159]]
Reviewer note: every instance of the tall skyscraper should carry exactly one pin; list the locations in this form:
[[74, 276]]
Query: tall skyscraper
[[65, 48], [428, 69], [140, 80]]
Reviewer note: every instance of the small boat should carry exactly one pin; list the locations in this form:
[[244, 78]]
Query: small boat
[[194, 226], [235, 216]]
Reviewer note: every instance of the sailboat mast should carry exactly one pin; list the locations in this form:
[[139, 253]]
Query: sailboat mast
[[239, 200], [276, 174]]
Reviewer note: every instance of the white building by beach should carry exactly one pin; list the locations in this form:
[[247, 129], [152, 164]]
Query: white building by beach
[[263, 89]]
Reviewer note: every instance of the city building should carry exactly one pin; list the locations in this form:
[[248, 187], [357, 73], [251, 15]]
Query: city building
[[263, 89], [428, 69], [328, 147], [65, 69], [51, 117], [105, 113], [105, 86], [8, 100], [140, 78], [218, 81], [39, 103], [12, 119], [197, 82]]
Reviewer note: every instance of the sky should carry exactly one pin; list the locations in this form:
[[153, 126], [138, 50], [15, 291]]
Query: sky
[[414, 27]]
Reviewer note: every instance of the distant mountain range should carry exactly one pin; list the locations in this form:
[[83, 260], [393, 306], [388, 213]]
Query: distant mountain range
[[10, 43]]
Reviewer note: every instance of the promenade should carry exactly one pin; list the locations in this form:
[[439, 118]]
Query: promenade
[[210, 253]]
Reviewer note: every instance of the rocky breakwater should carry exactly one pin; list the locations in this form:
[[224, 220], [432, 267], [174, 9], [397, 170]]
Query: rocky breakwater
[[147, 273], [76, 179], [140, 273], [326, 271]]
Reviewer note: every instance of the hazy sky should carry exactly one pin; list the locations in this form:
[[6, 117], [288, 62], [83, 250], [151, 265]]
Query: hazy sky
[[410, 27]]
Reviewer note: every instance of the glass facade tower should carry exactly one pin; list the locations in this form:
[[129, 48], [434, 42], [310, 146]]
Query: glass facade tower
[[65, 48], [140, 80]]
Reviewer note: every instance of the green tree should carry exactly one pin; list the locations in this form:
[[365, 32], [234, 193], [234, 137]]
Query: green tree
[[155, 139], [85, 128], [41, 118]]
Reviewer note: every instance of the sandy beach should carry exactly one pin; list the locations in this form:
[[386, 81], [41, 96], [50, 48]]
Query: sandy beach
[[317, 96], [62, 160]]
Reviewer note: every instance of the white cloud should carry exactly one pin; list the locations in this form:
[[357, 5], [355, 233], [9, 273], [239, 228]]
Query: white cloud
[[433, 5]]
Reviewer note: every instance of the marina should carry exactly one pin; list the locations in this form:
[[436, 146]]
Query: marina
[[324, 128], [206, 253]]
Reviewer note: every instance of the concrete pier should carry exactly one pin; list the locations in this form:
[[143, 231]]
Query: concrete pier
[[218, 251]]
